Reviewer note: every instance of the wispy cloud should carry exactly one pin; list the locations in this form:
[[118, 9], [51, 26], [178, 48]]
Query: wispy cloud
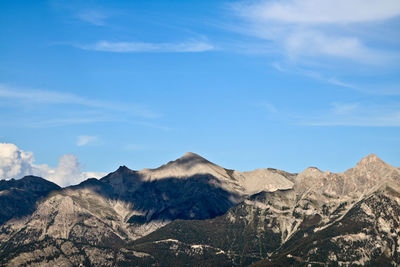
[[66, 120], [268, 106], [44, 109], [49, 97], [312, 43], [317, 12], [136, 47], [311, 28], [92, 16], [344, 108], [371, 88], [356, 114], [84, 140], [340, 83]]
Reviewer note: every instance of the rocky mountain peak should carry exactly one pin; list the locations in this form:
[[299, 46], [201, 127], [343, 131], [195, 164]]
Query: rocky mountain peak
[[30, 182], [186, 162], [18, 197], [372, 167], [188, 165], [191, 157], [311, 177], [369, 161], [123, 169], [121, 176], [310, 170], [368, 172], [133, 215]]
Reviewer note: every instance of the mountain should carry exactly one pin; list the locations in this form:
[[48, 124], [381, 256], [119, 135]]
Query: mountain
[[327, 218], [18, 197], [192, 212]]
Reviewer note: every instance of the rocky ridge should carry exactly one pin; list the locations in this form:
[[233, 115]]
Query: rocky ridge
[[191, 210]]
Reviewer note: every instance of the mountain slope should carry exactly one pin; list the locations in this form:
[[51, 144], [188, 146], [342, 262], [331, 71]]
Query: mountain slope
[[126, 205], [367, 234], [343, 218], [18, 197], [191, 212]]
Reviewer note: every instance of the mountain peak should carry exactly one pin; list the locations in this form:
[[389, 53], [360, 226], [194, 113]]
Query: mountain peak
[[311, 171], [370, 159], [123, 168], [189, 158], [31, 183], [188, 165], [191, 155]]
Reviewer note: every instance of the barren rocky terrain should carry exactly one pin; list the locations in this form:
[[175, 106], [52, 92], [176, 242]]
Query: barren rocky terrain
[[191, 212]]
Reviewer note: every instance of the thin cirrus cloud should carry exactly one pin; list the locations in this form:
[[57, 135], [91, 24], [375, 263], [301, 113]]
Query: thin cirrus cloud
[[69, 109], [344, 108], [137, 47], [356, 114], [376, 88], [94, 17], [333, 28], [55, 122], [49, 97], [316, 11], [84, 140]]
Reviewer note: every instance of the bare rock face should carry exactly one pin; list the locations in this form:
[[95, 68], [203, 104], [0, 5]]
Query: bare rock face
[[125, 205], [369, 172], [327, 218], [193, 211]]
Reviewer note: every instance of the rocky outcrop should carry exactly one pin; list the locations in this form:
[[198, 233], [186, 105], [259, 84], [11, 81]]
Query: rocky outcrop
[[191, 211], [349, 218]]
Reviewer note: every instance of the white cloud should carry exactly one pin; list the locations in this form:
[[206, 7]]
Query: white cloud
[[94, 17], [134, 47], [16, 163], [86, 139], [314, 43], [311, 29], [68, 172], [340, 83], [327, 11]]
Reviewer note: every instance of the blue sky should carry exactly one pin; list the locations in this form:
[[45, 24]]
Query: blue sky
[[246, 84]]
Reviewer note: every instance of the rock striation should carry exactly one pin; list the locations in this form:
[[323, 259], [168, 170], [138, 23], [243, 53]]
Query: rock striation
[[192, 212]]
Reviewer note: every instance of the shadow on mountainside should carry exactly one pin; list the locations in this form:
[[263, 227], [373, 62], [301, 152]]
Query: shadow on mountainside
[[18, 198], [196, 197], [200, 196], [186, 162]]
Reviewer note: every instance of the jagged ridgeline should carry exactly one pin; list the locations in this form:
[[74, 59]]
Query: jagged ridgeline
[[191, 212]]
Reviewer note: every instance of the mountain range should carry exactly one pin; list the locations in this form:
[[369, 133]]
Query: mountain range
[[192, 212]]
